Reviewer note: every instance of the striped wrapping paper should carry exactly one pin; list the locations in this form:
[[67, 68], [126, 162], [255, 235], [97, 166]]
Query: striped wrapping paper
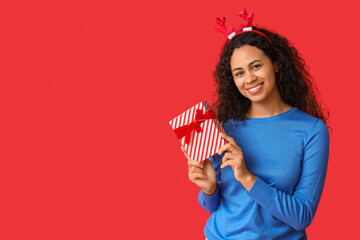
[[206, 143]]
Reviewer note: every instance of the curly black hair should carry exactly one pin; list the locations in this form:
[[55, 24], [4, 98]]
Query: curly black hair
[[292, 79]]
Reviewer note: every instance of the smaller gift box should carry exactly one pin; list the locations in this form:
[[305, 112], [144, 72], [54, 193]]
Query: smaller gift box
[[198, 130]]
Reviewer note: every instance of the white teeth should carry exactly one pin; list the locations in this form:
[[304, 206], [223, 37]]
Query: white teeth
[[255, 88]]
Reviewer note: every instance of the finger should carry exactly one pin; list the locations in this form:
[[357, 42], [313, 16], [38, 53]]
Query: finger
[[194, 176], [188, 158], [228, 163], [206, 161], [186, 155], [227, 156], [194, 163], [194, 169], [227, 147], [227, 138]]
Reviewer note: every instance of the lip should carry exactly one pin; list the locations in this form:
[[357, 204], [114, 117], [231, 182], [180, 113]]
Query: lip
[[254, 86], [257, 90]]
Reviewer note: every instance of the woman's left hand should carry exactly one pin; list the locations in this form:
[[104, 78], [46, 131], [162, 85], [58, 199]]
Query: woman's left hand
[[234, 158]]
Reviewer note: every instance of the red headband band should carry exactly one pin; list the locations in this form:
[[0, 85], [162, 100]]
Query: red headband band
[[245, 26]]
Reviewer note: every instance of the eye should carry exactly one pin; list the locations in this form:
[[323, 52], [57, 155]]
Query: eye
[[238, 73], [256, 66]]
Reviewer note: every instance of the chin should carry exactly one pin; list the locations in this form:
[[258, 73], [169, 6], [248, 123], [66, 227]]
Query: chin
[[256, 99]]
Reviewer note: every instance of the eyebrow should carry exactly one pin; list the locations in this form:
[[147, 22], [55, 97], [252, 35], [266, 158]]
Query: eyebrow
[[252, 62]]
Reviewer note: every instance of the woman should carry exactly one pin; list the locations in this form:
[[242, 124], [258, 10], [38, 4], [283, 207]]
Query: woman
[[266, 182]]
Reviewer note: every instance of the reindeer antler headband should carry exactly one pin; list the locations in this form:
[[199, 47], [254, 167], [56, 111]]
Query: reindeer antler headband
[[246, 26]]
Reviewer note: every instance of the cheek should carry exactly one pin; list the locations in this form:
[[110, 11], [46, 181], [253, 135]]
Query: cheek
[[240, 86], [238, 83], [270, 75]]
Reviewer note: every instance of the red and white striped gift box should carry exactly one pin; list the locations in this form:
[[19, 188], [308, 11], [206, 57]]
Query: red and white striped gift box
[[202, 144]]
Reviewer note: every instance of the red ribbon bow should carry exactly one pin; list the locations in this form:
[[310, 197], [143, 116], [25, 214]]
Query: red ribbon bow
[[186, 130]]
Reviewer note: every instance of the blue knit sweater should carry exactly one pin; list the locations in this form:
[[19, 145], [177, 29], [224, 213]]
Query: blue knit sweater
[[289, 154]]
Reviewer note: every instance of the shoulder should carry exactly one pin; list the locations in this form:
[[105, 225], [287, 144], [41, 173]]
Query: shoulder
[[313, 128], [308, 122]]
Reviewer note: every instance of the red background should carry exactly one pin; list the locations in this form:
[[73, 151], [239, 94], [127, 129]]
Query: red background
[[86, 92]]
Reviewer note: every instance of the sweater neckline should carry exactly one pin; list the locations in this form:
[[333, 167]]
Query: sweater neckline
[[281, 115]]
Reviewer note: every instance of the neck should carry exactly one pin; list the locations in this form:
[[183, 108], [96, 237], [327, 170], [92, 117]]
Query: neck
[[268, 108]]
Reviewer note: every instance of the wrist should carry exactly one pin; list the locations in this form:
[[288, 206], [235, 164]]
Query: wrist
[[211, 190], [248, 180]]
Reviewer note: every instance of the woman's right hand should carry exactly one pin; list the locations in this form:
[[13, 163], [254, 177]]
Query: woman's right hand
[[202, 174]]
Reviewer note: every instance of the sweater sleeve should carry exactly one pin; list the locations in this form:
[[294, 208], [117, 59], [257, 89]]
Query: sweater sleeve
[[298, 209], [211, 202]]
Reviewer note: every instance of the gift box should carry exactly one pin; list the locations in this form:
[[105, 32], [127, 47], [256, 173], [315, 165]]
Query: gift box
[[198, 131]]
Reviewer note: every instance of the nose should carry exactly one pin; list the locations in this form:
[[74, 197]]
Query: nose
[[250, 77]]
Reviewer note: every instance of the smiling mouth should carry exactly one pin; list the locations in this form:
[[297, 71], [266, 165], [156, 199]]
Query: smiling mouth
[[256, 88]]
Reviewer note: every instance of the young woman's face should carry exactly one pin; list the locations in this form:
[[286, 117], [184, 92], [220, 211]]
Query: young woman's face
[[254, 74]]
